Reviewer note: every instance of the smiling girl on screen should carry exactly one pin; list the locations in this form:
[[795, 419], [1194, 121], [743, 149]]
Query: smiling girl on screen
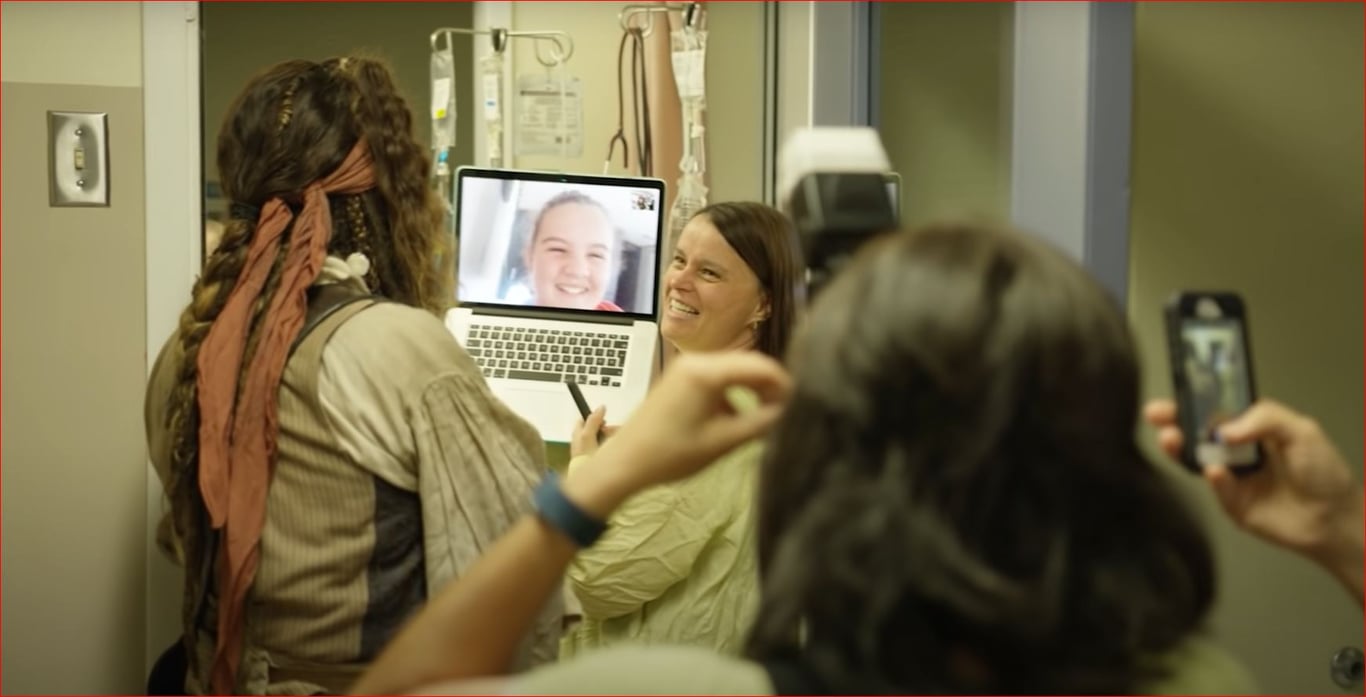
[[573, 254]]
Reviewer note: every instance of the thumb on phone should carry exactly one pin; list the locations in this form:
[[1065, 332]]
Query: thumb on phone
[[1263, 420]]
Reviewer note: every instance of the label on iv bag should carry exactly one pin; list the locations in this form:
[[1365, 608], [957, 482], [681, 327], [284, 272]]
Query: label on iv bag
[[492, 112], [441, 97], [690, 72], [549, 121]]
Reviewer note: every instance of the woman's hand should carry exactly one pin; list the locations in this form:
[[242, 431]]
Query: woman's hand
[[588, 433], [685, 423], [1303, 498]]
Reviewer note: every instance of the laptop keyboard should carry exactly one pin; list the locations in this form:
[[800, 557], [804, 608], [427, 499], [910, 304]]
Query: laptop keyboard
[[549, 355]]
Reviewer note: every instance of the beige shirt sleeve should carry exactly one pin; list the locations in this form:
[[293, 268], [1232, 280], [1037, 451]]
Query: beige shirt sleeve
[[156, 407], [156, 422], [407, 403], [372, 368]]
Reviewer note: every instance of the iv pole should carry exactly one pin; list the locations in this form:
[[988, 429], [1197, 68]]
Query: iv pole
[[692, 13], [688, 45], [561, 44], [560, 48]]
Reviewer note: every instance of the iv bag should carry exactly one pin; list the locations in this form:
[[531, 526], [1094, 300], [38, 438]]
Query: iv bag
[[692, 197], [689, 54], [491, 72], [443, 100]]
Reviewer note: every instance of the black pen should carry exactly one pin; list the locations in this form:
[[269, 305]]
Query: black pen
[[582, 404]]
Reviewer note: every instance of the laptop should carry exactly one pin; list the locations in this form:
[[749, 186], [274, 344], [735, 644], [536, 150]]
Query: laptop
[[558, 281]]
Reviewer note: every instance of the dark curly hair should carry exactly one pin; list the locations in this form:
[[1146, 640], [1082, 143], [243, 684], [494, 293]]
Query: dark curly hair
[[954, 500]]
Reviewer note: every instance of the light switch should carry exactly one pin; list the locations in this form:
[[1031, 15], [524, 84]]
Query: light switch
[[78, 158]]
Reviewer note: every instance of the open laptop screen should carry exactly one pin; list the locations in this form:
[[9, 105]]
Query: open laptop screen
[[558, 241]]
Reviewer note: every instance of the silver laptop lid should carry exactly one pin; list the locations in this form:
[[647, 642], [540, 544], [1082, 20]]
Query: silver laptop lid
[[563, 245]]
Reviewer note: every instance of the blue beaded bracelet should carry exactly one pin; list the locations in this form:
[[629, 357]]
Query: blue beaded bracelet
[[561, 513]]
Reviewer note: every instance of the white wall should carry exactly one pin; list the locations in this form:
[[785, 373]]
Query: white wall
[[74, 472], [174, 187], [73, 43]]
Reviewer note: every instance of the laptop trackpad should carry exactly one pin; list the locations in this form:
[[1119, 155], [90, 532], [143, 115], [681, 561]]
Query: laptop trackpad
[[551, 412]]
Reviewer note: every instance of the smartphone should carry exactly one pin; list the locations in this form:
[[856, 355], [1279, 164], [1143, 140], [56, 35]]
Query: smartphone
[[1211, 361]]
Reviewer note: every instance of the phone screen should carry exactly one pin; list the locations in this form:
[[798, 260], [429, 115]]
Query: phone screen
[[1215, 363]]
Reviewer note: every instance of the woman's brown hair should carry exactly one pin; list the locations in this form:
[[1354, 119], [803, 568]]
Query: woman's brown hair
[[953, 500], [291, 126]]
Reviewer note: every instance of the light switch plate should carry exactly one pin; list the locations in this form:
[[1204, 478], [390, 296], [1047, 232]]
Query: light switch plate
[[78, 158]]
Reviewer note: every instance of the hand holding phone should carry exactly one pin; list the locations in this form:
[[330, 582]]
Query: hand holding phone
[[1212, 374]]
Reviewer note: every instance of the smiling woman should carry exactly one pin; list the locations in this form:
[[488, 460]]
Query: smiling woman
[[677, 564], [734, 281]]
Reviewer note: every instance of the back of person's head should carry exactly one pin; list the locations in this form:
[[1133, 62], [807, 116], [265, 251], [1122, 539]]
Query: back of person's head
[[954, 499], [767, 242], [293, 125]]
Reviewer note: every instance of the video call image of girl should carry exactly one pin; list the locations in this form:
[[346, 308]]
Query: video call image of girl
[[572, 255], [556, 245]]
